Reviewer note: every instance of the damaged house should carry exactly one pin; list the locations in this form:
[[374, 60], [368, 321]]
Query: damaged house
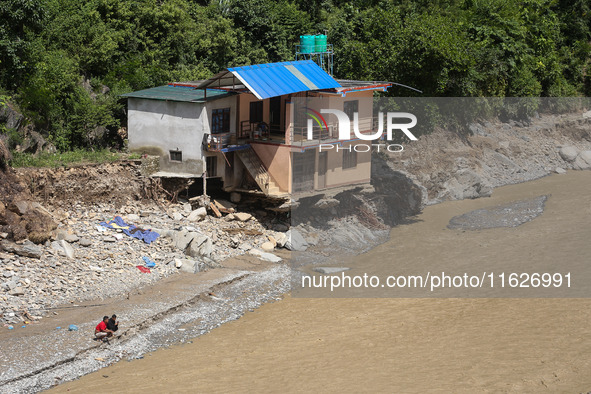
[[243, 127]]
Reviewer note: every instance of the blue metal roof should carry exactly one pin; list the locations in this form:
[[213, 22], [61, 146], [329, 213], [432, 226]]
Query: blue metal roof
[[276, 79]]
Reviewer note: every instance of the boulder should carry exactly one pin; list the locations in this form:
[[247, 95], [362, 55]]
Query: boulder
[[198, 214], [281, 239], [465, 184], [295, 241], [267, 246], [68, 250], [17, 291], [181, 239], [19, 207], [265, 255], [177, 216], [568, 153], [583, 160], [272, 240], [200, 245], [242, 216], [71, 238], [326, 203], [188, 265], [270, 257], [85, 242], [27, 249], [193, 243]]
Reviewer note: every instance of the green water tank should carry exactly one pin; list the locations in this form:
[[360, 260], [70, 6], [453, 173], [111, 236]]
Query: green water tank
[[320, 42], [307, 44]]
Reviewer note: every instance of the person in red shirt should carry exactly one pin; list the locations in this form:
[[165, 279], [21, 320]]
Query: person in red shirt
[[101, 331]]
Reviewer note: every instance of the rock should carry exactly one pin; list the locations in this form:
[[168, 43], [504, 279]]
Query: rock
[[11, 118], [272, 240], [17, 291], [281, 239], [132, 217], [178, 263], [198, 214], [242, 216], [189, 266], [559, 170], [477, 129], [583, 160], [235, 197], [313, 239], [265, 256], [280, 227], [587, 114], [568, 153], [109, 239], [28, 249], [465, 184], [229, 217], [331, 270], [71, 238], [245, 246], [182, 239], [295, 241], [200, 245], [68, 250], [177, 216], [85, 242], [19, 207], [326, 203], [267, 246], [270, 257]]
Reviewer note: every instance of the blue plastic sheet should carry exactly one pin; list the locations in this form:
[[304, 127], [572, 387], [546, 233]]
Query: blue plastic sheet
[[148, 236]]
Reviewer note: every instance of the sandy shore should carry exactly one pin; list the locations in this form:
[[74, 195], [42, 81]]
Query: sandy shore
[[174, 310], [403, 345]]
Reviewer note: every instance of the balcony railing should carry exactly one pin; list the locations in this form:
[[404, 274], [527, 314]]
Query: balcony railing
[[216, 142], [299, 134]]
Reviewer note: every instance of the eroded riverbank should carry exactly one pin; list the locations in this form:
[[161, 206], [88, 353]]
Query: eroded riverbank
[[405, 345]]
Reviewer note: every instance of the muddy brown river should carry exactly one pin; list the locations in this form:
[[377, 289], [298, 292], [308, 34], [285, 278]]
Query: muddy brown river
[[405, 345]]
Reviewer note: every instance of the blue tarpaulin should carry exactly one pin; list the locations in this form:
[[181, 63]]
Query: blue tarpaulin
[[147, 236]]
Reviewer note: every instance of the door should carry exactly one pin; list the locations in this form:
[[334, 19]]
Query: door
[[304, 164], [275, 115], [322, 167]]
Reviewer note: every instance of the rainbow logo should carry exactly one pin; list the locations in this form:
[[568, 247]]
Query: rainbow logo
[[317, 117]]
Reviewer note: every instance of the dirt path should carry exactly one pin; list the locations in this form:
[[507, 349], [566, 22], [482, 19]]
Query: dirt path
[[401, 345]]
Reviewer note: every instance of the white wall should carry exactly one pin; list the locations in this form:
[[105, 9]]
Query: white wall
[[157, 127]]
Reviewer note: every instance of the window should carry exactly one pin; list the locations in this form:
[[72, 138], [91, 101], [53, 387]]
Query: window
[[211, 165], [220, 120], [350, 107], [256, 112], [349, 158], [176, 155]]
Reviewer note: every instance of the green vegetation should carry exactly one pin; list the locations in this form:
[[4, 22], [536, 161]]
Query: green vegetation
[[65, 62], [65, 159]]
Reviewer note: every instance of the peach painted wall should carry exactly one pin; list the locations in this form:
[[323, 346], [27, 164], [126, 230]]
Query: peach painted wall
[[276, 158]]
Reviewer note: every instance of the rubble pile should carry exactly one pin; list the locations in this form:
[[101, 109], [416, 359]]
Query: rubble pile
[[87, 261]]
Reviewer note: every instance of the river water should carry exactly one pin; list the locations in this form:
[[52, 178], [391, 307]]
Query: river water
[[406, 344]]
